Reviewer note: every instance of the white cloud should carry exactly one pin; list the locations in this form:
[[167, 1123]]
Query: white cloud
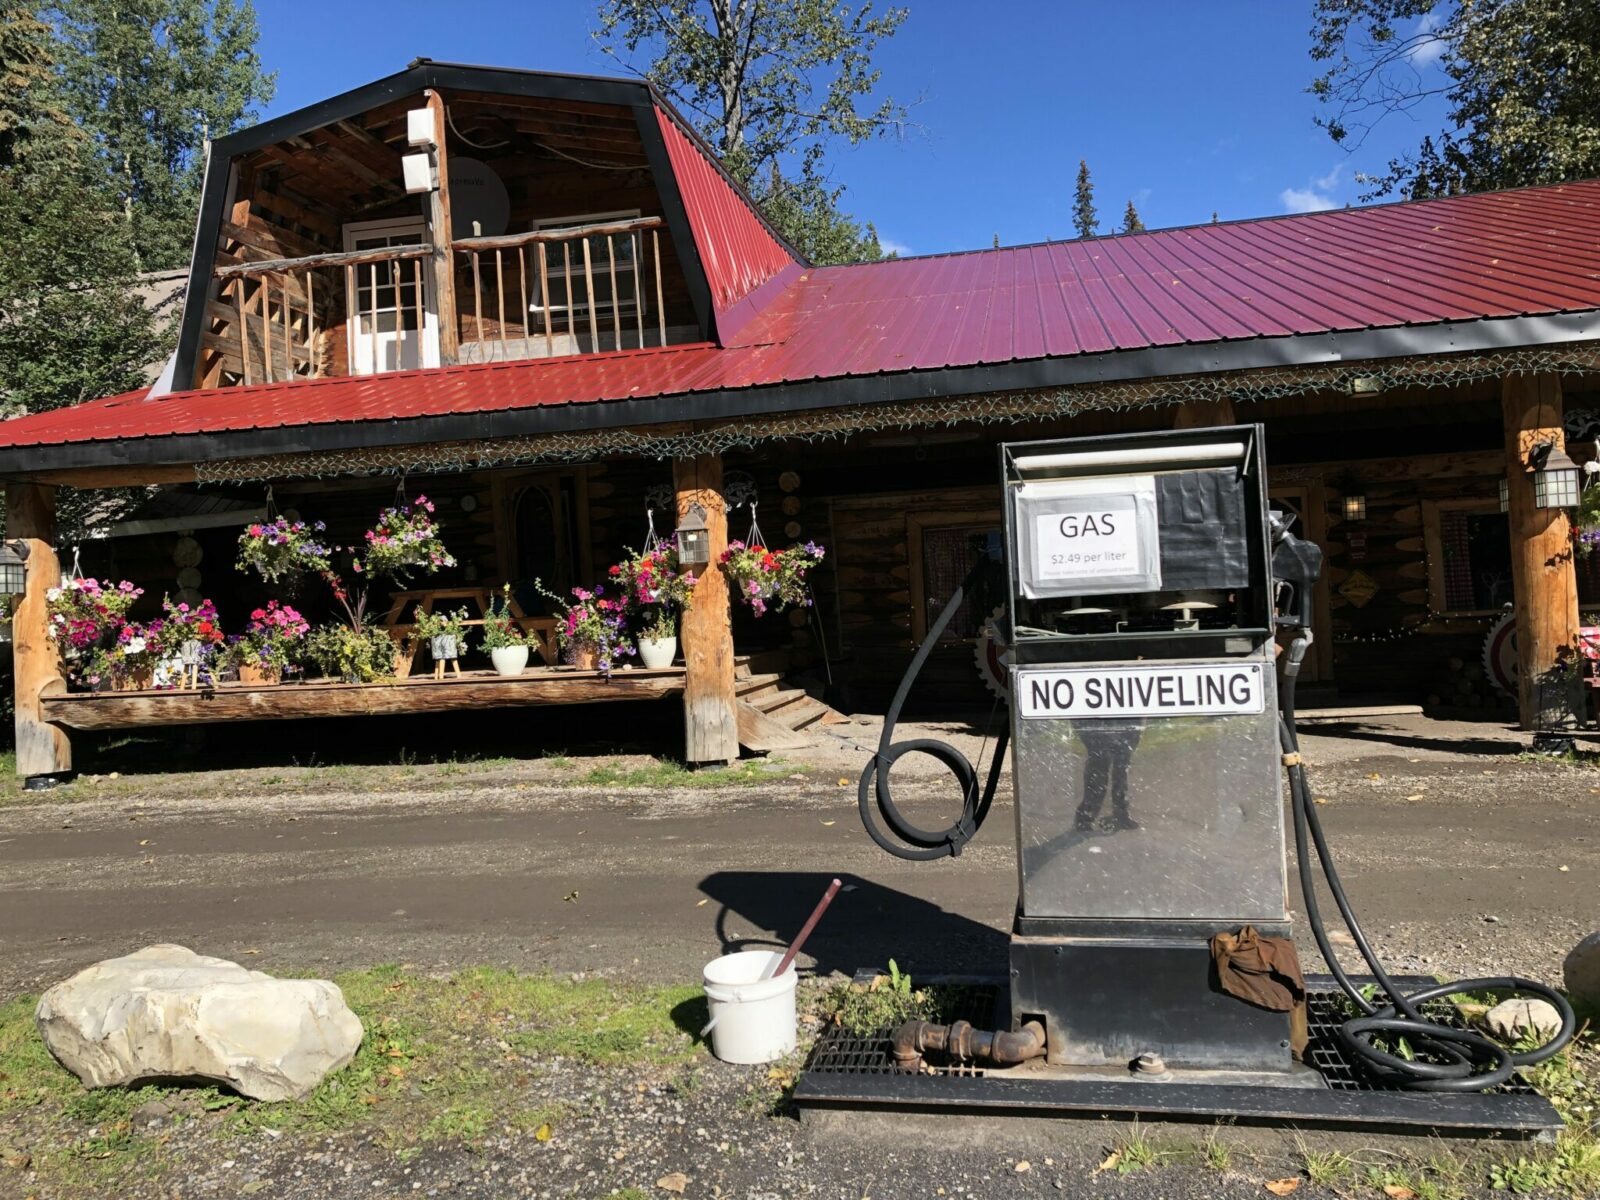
[[1305, 200], [1326, 183], [1426, 51], [890, 246]]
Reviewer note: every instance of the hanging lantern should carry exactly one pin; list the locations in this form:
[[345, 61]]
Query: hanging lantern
[[13, 568], [694, 538], [1355, 508], [1557, 480]]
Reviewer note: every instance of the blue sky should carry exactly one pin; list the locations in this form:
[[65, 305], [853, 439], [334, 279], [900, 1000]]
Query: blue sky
[[1187, 108]]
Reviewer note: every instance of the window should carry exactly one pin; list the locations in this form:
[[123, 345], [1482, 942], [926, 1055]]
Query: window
[[944, 548], [570, 297], [1469, 556]]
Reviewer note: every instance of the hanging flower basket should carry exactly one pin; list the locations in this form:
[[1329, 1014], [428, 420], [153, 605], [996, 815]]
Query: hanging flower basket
[[765, 579]]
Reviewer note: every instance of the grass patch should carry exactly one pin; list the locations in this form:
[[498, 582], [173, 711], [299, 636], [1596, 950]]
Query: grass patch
[[453, 1059], [882, 1002], [1134, 1151], [667, 773]]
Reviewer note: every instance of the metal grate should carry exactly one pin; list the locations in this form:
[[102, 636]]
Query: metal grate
[[839, 1052], [1327, 1010]]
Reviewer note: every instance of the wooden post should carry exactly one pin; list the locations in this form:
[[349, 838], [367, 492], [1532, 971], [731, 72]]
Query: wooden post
[[710, 708], [42, 749], [1544, 584], [1196, 414], [444, 259]]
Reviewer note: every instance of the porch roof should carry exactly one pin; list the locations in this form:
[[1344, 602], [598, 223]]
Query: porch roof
[[1501, 269]]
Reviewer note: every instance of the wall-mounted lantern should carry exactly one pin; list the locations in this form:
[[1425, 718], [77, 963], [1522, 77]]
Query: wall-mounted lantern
[[1505, 495], [1355, 507], [694, 538], [13, 568], [1557, 480]]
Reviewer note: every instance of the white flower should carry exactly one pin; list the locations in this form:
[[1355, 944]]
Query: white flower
[[135, 646], [53, 594]]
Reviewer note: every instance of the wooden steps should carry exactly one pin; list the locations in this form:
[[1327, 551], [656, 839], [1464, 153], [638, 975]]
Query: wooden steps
[[773, 716]]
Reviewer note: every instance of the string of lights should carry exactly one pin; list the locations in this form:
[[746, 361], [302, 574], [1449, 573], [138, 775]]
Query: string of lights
[[822, 425]]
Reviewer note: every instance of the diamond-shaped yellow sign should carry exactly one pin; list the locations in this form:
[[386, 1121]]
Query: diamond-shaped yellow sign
[[1359, 588]]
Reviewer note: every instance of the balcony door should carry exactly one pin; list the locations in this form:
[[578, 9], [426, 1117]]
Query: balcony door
[[392, 316]]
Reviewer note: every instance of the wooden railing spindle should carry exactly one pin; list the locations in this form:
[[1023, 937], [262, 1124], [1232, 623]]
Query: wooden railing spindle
[[477, 301], [661, 307], [544, 292], [372, 275], [244, 330], [500, 292], [638, 298], [588, 298], [616, 303], [266, 326]]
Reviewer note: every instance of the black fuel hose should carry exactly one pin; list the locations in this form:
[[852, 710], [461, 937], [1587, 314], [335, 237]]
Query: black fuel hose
[[915, 843], [1447, 1059]]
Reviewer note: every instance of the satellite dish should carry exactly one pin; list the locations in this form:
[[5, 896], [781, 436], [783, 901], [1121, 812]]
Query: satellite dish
[[477, 194]]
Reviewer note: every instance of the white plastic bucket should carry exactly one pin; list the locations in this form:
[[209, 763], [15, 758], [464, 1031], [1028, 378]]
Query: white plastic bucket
[[752, 1019]]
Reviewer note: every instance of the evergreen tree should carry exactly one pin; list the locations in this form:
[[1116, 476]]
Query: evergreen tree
[[1521, 79], [71, 327], [770, 84], [152, 81], [1084, 217], [1131, 222]]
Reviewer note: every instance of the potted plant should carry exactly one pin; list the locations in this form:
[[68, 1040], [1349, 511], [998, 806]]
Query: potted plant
[[133, 657], [282, 548], [268, 644], [355, 655], [86, 620], [658, 589], [503, 637], [763, 577], [185, 641], [593, 631], [446, 635]]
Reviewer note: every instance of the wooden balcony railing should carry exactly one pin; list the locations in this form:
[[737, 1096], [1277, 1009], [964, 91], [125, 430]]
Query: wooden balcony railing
[[573, 290], [279, 310]]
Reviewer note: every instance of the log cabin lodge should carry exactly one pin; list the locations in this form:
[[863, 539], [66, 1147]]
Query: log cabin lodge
[[539, 299]]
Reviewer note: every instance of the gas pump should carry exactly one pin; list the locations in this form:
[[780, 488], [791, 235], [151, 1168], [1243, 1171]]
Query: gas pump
[[1158, 613]]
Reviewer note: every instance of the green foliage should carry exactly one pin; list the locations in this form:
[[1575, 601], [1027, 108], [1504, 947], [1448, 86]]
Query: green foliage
[[1085, 219], [430, 625], [770, 84], [1571, 1167], [357, 654], [1131, 221], [1521, 79], [151, 81], [878, 1005]]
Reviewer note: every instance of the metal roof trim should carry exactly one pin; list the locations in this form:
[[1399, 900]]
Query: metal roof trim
[[1485, 334]]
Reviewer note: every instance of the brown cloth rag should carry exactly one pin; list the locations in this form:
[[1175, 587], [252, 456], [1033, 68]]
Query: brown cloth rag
[[1266, 972]]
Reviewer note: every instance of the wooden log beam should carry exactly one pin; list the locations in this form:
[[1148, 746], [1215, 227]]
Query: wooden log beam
[[439, 230], [43, 749], [710, 706], [1544, 583], [468, 692], [1198, 414], [510, 241]]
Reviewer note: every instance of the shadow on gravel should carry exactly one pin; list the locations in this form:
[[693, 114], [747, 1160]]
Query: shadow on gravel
[[867, 925], [1357, 732]]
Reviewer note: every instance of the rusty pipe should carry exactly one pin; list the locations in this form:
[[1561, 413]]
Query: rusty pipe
[[960, 1041]]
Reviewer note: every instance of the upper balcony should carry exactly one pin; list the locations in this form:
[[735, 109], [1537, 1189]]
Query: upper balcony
[[548, 216]]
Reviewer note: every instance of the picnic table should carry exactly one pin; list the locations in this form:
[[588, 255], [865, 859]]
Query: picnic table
[[541, 631]]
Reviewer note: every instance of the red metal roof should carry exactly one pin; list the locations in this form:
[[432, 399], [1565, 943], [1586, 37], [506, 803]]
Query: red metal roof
[[1521, 253], [737, 250]]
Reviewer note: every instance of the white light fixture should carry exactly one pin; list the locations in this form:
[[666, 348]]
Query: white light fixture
[[1365, 385], [419, 173], [1557, 480], [419, 127], [1355, 508]]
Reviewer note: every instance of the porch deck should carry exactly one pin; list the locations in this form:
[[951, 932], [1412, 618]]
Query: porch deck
[[331, 698]]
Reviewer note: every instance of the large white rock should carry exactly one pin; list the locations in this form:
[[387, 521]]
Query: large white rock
[[1581, 972], [1511, 1019], [165, 1012]]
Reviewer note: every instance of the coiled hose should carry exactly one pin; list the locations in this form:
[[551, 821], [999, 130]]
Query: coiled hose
[[1461, 1060], [915, 843]]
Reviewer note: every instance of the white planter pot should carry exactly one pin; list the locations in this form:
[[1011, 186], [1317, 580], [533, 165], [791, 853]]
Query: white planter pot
[[658, 652], [509, 660]]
